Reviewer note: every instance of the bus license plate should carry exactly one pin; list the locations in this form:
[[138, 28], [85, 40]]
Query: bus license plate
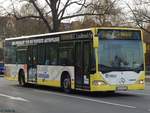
[[121, 88]]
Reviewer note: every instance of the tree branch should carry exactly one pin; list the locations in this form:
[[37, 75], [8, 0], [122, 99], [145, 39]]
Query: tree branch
[[61, 12], [41, 15], [77, 15], [25, 17], [137, 21]]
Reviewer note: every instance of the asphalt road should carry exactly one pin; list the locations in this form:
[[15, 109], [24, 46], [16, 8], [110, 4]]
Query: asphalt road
[[33, 99]]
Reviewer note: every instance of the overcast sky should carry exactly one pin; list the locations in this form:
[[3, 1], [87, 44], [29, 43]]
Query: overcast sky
[[6, 4]]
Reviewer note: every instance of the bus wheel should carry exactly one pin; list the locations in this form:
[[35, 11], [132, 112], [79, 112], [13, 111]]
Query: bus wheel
[[21, 78], [66, 85]]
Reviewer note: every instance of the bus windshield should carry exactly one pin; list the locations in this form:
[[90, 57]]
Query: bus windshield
[[122, 51]]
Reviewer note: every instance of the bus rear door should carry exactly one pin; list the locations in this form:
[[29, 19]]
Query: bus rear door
[[32, 64]]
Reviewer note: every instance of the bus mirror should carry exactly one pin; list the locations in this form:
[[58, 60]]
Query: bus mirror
[[95, 42]]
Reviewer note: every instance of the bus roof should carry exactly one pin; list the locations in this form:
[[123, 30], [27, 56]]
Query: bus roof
[[67, 32], [48, 34]]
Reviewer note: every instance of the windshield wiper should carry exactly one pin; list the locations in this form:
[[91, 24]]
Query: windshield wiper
[[139, 68], [106, 69]]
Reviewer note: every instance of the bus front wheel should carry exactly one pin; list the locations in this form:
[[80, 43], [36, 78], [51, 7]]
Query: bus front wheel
[[21, 78], [66, 83]]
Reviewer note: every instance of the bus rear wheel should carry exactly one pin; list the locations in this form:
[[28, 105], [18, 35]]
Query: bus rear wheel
[[21, 78]]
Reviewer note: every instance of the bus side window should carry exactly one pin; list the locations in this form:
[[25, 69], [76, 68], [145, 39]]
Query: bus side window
[[51, 54], [10, 55], [54, 61], [21, 55], [41, 54], [64, 57], [66, 53], [47, 62]]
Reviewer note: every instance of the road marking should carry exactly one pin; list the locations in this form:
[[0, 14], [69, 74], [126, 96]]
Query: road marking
[[134, 93], [14, 98], [88, 99]]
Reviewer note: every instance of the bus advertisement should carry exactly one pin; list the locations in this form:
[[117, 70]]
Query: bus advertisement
[[94, 59]]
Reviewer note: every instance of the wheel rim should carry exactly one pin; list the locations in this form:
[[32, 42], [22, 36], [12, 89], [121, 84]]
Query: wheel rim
[[66, 83]]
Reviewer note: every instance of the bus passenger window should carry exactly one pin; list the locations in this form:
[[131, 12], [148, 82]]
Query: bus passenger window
[[54, 61], [65, 57], [51, 54], [41, 54], [47, 62]]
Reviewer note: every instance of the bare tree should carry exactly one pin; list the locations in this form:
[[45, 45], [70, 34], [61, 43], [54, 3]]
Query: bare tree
[[28, 10], [141, 13], [110, 10], [57, 10]]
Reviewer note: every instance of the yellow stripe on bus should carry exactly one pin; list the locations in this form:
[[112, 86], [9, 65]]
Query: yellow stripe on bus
[[11, 78], [55, 83]]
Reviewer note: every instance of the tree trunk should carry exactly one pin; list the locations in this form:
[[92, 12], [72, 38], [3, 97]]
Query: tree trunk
[[56, 25]]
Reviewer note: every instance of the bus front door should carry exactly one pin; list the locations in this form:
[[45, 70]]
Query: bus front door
[[82, 55], [32, 64]]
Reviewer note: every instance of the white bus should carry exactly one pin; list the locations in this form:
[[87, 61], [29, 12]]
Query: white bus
[[94, 59]]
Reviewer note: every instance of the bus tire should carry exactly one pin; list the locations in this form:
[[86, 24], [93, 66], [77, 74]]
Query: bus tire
[[21, 78], [66, 82]]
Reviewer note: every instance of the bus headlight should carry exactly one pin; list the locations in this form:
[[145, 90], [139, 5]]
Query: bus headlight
[[141, 81], [98, 82]]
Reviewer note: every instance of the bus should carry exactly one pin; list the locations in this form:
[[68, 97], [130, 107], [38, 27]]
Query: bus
[[2, 69], [94, 59]]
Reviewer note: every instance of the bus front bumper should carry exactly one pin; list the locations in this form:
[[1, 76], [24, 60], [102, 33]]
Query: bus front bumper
[[117, 87]]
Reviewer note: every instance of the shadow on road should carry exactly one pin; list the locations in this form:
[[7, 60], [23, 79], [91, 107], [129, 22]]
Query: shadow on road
[[79, 93]]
